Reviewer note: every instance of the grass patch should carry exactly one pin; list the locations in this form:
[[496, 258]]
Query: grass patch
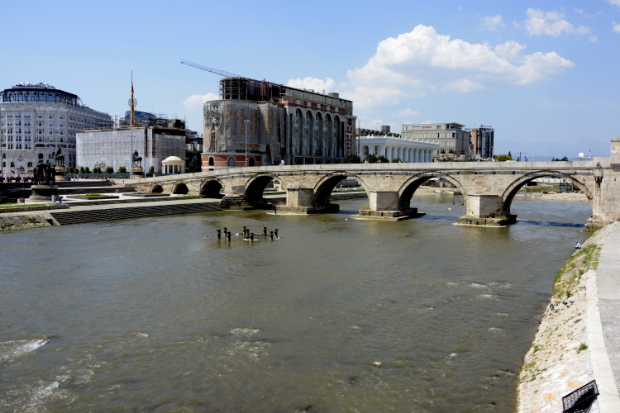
[[6, 226], [537, 348], [568, 278], [577, 320], [33, 221], [20, 205], [582, 347]]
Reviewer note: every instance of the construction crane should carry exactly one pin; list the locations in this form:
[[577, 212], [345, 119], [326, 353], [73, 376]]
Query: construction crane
[[208, 69]]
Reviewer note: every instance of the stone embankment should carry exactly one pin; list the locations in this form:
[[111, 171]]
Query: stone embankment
[[569, 196], [569, 348]]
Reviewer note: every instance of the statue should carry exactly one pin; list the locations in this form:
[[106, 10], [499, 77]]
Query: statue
[[59, 158], [44, 174], [136, 160]]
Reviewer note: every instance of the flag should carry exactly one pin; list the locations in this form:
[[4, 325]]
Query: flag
[[133, 113]]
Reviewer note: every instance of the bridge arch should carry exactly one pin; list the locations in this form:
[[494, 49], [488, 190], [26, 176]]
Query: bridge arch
[[325, 186], [406, 191], [514, 187], [156, 189], [255, 186], [211, 188], [180, 189]]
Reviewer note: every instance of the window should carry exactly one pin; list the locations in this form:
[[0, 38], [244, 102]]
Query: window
[[211, 161], [231, 161]]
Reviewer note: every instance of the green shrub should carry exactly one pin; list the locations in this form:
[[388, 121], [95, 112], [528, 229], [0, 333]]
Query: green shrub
[[504, 158], [122, 170], [152, 170], [109, 170], [82, 170], [96, 170], [396, 160], [87, 170], [70, 170], [383, 159], [352, 159], [372, 158], [195, 165]]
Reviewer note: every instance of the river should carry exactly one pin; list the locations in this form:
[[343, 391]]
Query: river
[[156, 314]]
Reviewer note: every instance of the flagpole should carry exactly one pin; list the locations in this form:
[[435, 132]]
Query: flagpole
[[131, 133]]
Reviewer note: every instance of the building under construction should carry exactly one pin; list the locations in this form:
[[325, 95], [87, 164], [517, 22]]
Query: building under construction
[[273, 123]]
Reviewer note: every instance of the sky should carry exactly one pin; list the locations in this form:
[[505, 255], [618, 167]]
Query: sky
[[544, 74]]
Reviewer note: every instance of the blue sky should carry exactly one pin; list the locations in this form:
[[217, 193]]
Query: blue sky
[[544, 74]]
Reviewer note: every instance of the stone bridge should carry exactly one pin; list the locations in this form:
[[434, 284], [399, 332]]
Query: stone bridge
[[488, 187]]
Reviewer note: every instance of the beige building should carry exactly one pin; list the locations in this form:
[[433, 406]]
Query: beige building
[[453, 139]]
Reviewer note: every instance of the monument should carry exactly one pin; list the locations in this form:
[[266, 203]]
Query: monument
[[59, 166], [136, 163], [43, 182]]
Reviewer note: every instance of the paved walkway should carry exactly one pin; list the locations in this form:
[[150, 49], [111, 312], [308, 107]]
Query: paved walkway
[[608, 285]]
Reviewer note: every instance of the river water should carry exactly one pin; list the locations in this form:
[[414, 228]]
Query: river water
[[156, 314]]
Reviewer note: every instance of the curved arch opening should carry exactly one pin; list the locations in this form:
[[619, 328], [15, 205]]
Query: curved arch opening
[[231, 161], [324, 189], [251, 161], [411, 186], [211, 189], [180, 189], [254, 190], [211, 161], [157, 189], [553, 186], [298, 161]]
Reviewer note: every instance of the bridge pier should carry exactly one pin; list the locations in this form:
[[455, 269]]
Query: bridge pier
[[301, 201], [384, 206], [486, 210]]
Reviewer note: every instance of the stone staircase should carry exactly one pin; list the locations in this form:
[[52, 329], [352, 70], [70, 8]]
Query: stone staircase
[[100, 215]]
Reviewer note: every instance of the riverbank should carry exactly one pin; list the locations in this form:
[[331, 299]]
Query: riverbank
[[569, 349]]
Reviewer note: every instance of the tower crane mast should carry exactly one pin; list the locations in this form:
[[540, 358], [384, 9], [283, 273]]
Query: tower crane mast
[[208, 69]]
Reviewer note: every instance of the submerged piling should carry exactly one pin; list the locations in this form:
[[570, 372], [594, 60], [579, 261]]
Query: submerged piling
[[219, 234]]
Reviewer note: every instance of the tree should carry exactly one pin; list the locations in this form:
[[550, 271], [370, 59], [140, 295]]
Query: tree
[[152, 170], [96, 170], [70, 170], [396, 160], [504, 158], [87, 170], [352, 159], [565, 159], [383, 159], [109, 170], [195, 165], [82, 170], [372, 158], [122, 170], [509, 155]]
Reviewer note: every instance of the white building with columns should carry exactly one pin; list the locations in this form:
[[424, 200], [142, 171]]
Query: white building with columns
[[393, 146]]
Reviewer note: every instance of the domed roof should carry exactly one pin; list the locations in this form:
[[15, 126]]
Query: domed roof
[[173, 159]]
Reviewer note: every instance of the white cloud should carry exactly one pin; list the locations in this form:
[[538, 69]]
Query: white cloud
[[409, 113], [616, 27], [593, 39], [614, 2], [462, 86], [367, 96], [550, 23], [492, 22], [583, 13], [196, 102], [422, 60], [318, 85], [509, 51]]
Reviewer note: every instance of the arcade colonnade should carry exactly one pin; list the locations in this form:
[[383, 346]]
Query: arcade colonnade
[[407, 150]]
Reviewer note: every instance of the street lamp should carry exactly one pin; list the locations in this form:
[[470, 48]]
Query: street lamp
[[246, 141]]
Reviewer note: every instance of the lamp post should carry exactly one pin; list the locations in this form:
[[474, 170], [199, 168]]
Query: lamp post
[[1, 143], [246, 141]]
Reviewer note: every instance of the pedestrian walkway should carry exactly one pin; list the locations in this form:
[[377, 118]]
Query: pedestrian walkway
[[608, 283]]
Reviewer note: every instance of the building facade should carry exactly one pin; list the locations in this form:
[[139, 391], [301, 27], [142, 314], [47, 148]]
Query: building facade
[[482, 141], [38, 120], [453, 139], [114, 147], [394, 146], [280, 124]]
